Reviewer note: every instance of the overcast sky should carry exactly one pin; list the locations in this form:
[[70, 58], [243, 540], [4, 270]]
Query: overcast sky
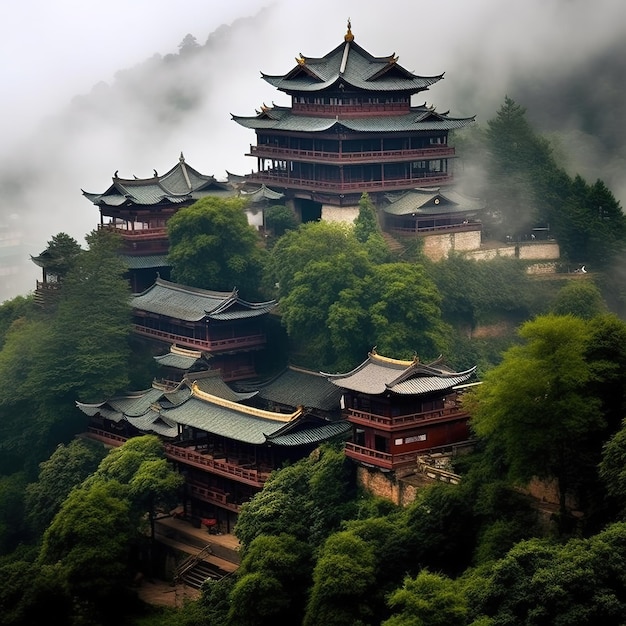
[[54, 50], [51, 50]]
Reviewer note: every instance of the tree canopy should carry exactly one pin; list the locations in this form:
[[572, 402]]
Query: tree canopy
[[526, 187], [395, 307], [535, 407], [212, 246]]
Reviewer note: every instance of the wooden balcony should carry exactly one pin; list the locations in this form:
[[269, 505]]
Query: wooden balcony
[[227, 468], [351, 110], [219, 466], [230, 344], [136, 234], [349, 158], [382, 460], [107, 438], [280, 179], [402, 422], [387, 461], [212, 496]]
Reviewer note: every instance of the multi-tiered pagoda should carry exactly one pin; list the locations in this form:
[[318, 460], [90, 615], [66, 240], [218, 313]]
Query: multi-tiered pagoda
[[138, 209], [351, 128]]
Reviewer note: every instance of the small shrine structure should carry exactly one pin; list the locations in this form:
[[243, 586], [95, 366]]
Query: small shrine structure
[[399, 409], [220, 325], [139, 209]]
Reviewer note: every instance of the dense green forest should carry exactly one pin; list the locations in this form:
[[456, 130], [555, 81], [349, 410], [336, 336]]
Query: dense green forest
[[75, 522]]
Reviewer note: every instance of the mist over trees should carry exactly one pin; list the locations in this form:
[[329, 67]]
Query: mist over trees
[[314, 548], [146, 113]]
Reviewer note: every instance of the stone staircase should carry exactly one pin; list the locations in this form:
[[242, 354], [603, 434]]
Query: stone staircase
[[207, 555], [194, 571], [395, 247]]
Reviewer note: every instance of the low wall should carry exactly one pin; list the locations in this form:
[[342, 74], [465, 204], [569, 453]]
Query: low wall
[[527, 251], [486, 254], [345, 214], [437, 247], [544, 251], [386, 485]]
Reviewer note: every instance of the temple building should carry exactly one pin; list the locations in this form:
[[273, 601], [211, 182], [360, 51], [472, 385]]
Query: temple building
[[400, 409], [139, 208], [225, 448], [351, 128], [293, 387], [218, 325], [179, 363], [445, 220]]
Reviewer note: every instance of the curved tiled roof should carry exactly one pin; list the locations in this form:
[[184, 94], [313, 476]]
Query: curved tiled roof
[[211, 383], [281, 118], [156, 411], [295, 387], [378, 375], [144, 262], [261, 194], [193, 304], [430, 202], [180, 184], [312, 436], [154, 422], [352, 66], [226, 420]]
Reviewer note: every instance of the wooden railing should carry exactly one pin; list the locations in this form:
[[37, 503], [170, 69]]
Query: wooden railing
[[249, 476], [351, 110], [458, 228], [279, 178], [366, 418], [377, 458], [365, 156], [50, 287], [215, 345], [106, 437], [213, 496], [136, 233]]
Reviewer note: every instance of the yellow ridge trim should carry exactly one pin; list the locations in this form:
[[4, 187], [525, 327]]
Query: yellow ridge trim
[[174, 349], [270, 415], [387, 359]]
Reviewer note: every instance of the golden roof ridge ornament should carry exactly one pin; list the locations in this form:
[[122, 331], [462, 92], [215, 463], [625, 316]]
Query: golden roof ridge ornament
[[349, 36]]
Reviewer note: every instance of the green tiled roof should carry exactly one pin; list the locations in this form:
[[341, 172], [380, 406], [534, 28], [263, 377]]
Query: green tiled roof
[[154, 422], [351, 65], [297, 387], [430, 202], [162, 412], [144, 262], [312, 436], [134, 405], [224, 421], [378, 375], [176, 361], [212, 383], [194, 304], [261, 194], [280, 118], [180, 184]]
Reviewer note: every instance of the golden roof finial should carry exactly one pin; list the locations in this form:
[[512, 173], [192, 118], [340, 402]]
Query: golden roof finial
[[349, 36]]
